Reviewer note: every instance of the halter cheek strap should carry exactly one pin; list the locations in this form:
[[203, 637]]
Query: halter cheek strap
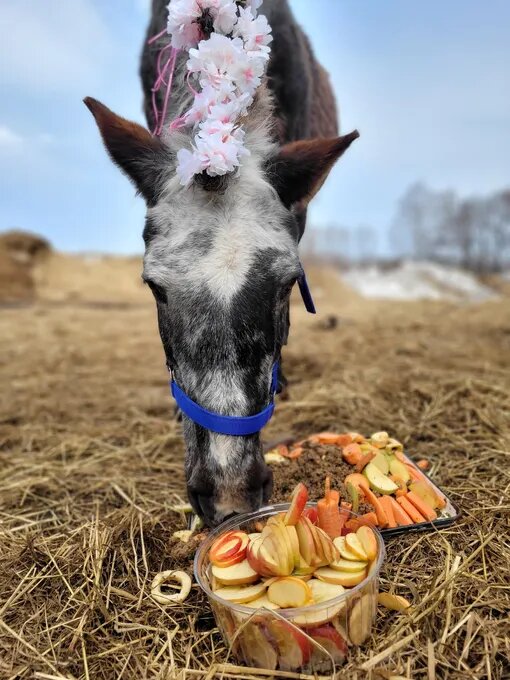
[[238, 426]]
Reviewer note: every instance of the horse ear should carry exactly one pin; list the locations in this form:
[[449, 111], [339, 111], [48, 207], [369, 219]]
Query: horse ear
[[136, 152], [301, 168]]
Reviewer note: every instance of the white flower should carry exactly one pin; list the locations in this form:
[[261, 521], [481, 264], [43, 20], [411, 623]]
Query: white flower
[[181, 25], [254, 5], [189, 164], [223, 12], [256, 33]]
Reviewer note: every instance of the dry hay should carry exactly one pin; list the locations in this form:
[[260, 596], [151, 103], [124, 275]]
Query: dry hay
[[90, 463], [19, 251]]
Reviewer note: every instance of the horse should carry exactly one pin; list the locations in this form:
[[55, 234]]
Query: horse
[[221, 255]]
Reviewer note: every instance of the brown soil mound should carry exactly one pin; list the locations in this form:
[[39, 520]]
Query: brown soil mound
[[91, 462]]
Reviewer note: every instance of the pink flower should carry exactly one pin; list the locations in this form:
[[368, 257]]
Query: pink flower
[[181, 25], [256, 33]]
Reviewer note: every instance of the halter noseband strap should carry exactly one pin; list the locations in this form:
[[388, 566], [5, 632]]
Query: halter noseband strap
[[238, 426]]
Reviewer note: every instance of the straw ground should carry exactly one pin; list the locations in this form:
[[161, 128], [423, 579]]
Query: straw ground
[[91, 463]]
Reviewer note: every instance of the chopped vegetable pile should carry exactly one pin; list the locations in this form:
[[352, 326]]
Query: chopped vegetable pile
[[382, 483]]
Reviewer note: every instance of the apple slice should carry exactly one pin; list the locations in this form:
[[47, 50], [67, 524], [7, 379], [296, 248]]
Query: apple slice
[[242, 594], [348, 579], [361, 618], [329, 549], [322, 591], [224, 547], [237, 575], [318, 557], [289, 592], [399, 469], [262, 602], [258, 651], [381, 461], [368, 540], [294, 544], [378, 481], [344, 551], [254, 535], [395, 602], [329, 638], [353, 544], [348, 565], [282, 540], [297, 504], [294, 647], [306, 542], [425, 492]]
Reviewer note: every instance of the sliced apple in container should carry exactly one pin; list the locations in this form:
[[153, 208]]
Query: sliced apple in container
[[318, 616], [360, 619], [329, 549], [242, 594], [344, 551], [368, 540], [236, 575], [254, 535], [262, 602], [348, 579], [353, 544], [297, 504], [294, 647], [306, 542], [289, 592], [329, 638], [294, 542], [258, 651], [348, 565]]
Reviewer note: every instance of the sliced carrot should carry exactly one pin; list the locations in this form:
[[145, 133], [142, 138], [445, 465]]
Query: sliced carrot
[[422, 506], [328, 437], [344, 439], [330, 519], [352, 453], [400, 515], [368, 519], [382, 518], [364, 461], [415, 474], [283, 450], [413, 513], [388, 509], [294, 453], [423, 464]]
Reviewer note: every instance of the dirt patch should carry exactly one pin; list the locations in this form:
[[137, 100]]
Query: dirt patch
[[19, 251]]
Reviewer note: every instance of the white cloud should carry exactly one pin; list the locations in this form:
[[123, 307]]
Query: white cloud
[[53, 45], [9, 139]]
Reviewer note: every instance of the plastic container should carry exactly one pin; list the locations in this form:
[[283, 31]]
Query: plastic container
[[313, 639]]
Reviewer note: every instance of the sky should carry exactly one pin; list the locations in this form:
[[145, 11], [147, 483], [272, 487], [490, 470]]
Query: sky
[[426, 83]]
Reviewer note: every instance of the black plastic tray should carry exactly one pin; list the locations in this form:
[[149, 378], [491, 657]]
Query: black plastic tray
[[448, 515]]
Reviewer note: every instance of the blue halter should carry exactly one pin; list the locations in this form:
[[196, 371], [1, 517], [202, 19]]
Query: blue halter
[[238, 426]]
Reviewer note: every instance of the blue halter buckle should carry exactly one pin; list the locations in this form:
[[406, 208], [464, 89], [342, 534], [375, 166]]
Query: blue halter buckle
[[238, 426]]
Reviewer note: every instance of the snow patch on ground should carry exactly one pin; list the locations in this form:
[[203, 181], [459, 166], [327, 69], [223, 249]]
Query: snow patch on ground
[[417, 281]]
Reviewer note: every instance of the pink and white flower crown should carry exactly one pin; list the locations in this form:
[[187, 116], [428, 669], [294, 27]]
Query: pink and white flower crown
[[228, 46]]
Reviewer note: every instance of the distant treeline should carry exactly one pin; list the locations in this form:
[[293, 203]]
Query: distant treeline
[[473, 232]]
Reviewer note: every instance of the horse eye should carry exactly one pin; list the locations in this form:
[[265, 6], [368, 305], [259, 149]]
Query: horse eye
[[158, 292]]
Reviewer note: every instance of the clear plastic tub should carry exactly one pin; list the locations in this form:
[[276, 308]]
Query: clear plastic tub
[[313, 639]]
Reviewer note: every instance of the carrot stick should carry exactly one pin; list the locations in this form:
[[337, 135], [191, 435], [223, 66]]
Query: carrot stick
[[293, 453], [330, 519], [388, 509], [344, 439], [420, 477], [382, 518], [401, 516], [368, 519], [352, 453], [328, 437], [422, 506], [413, 513], [413, 471], [364, 461], [423, 464]]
